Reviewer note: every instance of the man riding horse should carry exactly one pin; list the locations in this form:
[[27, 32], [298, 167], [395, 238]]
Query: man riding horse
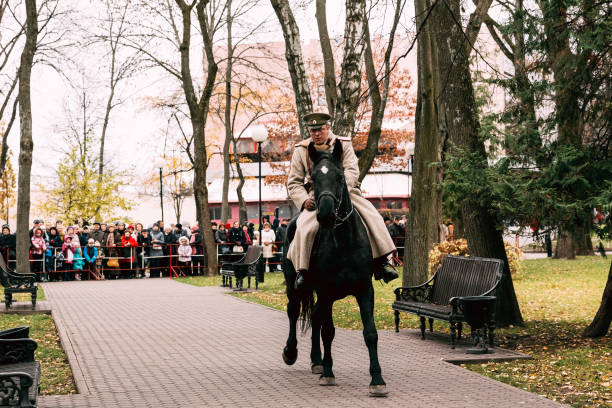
[[300, 190]]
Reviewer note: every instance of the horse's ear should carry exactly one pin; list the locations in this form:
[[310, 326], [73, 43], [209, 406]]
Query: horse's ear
[[312, 152], [337, 152]]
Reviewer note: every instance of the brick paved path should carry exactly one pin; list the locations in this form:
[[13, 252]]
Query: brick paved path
[[159, 343]]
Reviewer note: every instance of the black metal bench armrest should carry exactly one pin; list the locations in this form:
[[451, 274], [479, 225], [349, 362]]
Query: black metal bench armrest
[[17, 350], [20, 279], [21, 275], [420, 293], [26, 379], [454, 302], [13, 383]]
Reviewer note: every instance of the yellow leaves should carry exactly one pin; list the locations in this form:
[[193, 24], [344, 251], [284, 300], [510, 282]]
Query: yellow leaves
[[459, 247]]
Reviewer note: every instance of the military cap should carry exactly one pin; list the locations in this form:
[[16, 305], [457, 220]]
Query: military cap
[[316, 120]]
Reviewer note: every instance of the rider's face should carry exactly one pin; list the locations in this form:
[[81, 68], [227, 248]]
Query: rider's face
[[319, 136]]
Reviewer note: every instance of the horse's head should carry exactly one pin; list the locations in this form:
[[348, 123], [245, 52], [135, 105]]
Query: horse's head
[[328, 182]]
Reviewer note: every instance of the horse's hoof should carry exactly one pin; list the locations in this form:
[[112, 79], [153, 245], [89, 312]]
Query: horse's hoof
[[289, 360], [327, 381], [378, 391], [316, 369]]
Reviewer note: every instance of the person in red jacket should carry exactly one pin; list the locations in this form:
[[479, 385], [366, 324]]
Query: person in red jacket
[[129, 245]]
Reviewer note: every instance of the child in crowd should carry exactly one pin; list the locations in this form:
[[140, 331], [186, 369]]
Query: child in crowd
[[184, 256], [90, 253], [267, 238], [68, 252], [39, 247], [79, 261]]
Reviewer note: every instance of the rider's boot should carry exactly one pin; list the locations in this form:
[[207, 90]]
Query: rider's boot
[[300, 281], [383, 270]]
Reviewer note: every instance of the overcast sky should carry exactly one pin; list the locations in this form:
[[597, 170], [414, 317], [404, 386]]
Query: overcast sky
[[136, 134]]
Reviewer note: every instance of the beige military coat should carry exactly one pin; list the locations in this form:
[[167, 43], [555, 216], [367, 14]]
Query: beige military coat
[[307, 224]]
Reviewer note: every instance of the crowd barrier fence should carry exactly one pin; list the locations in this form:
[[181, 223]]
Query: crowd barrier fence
[[135, 262]]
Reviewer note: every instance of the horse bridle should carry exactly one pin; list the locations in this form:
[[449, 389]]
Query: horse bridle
[[338, 220]]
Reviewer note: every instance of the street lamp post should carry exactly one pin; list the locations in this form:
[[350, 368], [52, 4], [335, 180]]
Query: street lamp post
[[160, 164], [259, 134]]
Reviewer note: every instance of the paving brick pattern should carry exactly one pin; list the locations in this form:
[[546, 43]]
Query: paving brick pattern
[[160, 343]]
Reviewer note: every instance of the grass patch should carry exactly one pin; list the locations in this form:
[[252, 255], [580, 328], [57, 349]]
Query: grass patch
[[558, 299], [201, 280], [56, 374], [25, 297]]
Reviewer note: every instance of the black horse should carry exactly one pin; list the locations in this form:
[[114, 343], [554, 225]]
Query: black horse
[[341, 265]]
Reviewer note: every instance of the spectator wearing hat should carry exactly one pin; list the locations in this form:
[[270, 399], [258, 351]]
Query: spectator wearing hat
[[37, 223], [268, 237], [8, 244], [110, 248], [39, 247], [96, 233], [170, 241], [90, 253], [83, 239], [184, 256], [157, 250], [179, 231], [53, 248], [68, 252], [197, 250], [129, 245], [79, 261], [144, 251]]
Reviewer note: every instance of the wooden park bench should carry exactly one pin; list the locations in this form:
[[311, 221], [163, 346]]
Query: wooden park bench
[[438, 297], [14, 282], [19, 373], [244, 267]]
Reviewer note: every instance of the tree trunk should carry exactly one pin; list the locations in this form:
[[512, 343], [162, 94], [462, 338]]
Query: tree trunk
[[7, 129], [423, 219], [242, 207], [26, 144], [566, 247], [228, 117], [378, 101], [350, 77], [328, 57], [295, 61], [458, 119], [601, 322]]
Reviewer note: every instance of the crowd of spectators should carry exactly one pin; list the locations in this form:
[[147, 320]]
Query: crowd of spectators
[[121, 250]]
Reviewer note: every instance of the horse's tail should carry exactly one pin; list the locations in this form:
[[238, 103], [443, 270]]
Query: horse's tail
[[307, 302]]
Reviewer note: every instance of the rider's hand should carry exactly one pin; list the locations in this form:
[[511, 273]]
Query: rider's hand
[[309, 204]]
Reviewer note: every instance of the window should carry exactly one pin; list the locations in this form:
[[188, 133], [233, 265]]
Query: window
[[252, 212], [287, 211], [215, 213], [394, 205], [245, 146]]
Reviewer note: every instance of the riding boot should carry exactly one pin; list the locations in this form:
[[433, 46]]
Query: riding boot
[[300, 281], [384, 270]]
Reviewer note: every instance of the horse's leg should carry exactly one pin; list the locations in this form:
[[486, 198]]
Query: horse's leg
[[327, 335], [366, 308], [315, 350], [290, 351]]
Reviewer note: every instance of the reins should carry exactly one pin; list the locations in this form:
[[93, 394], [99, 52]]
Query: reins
[[338, 220]]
